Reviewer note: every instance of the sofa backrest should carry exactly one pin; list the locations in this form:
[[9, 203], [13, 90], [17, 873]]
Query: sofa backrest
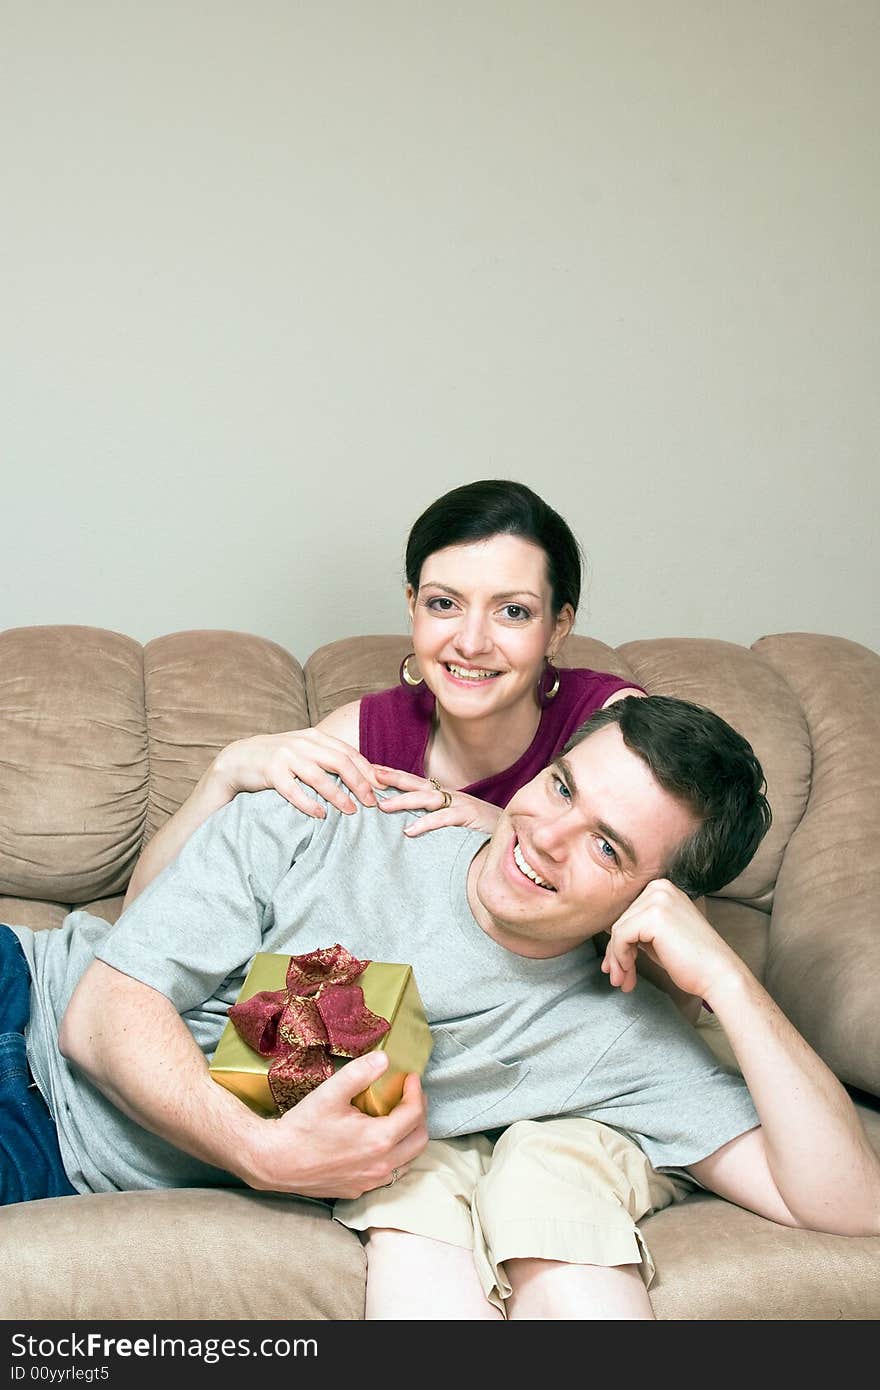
[[101, 739]]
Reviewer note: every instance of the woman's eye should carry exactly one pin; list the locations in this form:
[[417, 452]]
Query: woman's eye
[[515, 612], [440, 605]]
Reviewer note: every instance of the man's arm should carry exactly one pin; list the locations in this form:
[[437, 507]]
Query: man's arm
[[323, 1147], [194, 929], [810, 1163]]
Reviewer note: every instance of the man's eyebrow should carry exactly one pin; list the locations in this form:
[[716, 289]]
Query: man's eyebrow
[[602, 826], [447, 588]]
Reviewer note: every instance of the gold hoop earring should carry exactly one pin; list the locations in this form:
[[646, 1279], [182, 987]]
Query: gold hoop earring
[[405, 676], [542, 694]]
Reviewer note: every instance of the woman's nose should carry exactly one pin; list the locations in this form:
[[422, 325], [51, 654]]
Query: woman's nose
[[472, 637]]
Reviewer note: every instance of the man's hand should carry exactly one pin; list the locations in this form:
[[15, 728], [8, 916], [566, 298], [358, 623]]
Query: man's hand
[[325, 1147], [665, 924]]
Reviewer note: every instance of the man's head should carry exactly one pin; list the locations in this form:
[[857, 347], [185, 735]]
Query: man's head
[[647, 788]]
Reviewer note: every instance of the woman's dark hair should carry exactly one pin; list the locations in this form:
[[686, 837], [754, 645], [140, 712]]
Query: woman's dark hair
[[698, 758], [498, 507]]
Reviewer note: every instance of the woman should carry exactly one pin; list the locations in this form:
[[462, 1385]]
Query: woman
[[493, 583]]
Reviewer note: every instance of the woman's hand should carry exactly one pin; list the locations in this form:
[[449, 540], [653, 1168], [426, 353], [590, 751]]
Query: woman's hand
[[276, 760], [420, 794]]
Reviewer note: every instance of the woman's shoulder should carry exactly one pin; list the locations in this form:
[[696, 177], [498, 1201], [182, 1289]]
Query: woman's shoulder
[[343, 722]]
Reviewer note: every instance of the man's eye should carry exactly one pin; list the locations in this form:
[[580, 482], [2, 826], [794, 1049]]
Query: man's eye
[[607, 851], [562, 788], [516, 612]]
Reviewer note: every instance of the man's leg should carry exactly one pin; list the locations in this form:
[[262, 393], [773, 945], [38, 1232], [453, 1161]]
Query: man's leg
[[30, 1161], [415, 1278], [556, 1221], [419, 1236], [552, 1290]]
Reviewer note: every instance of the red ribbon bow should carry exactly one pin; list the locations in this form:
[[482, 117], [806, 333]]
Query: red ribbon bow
[[320, 1014]]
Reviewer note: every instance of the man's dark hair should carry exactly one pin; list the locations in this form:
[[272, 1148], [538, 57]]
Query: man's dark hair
[[698, 758], [498, 507]]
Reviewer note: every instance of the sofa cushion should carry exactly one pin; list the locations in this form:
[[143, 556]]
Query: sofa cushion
[[824, 956], [103, 739], [74, 769], [195, 1253]]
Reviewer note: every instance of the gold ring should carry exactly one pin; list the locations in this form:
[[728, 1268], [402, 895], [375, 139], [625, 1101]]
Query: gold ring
[[394, 1176], [447, 796]]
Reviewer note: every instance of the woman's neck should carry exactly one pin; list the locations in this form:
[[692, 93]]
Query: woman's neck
[[463, 751]]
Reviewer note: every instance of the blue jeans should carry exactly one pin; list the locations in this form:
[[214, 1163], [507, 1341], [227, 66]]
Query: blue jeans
[[30, 1160]]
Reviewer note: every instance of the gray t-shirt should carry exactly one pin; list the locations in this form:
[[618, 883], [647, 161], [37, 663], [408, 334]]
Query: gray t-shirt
[[514, 1038]]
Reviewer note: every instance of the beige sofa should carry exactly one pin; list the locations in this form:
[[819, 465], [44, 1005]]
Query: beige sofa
[[101, 739]]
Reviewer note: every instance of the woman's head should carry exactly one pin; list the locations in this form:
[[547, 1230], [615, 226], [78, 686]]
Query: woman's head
[[499, 507], [493, 580]]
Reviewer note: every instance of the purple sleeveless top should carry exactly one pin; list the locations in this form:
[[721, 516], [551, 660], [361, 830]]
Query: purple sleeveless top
[[395, 726]]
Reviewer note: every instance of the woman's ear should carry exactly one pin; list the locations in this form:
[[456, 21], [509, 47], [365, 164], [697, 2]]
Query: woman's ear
[[409, 594], [563, 626]]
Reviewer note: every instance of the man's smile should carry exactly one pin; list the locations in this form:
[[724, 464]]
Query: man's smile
[[526, 869]]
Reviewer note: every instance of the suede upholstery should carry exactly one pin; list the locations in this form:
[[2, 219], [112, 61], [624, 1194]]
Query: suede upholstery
[[102, 738]]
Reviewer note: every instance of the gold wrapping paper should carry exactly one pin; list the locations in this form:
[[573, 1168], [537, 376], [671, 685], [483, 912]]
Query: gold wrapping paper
[[389, 990]]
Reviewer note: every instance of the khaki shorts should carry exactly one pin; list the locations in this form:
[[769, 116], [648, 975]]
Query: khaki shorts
[[566, 1189]]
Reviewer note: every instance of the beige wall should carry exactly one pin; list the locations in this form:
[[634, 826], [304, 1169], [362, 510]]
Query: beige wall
[[274, 275]]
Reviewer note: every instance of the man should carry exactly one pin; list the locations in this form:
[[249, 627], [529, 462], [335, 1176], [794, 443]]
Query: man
[[498, 933]]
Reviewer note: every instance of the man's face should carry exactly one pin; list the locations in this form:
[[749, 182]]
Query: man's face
[[575, 847]]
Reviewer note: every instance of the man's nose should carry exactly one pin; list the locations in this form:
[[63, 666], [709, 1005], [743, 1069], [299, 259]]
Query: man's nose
[[551, 834]]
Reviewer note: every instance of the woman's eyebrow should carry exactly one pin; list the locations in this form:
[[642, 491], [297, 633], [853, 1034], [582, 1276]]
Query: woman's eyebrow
[[456, 593], [518, 593]]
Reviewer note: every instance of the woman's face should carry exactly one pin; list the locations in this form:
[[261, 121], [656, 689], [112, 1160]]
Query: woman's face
[[483, 624]]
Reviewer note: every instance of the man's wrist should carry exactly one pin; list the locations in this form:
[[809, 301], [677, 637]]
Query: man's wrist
[[730, 990], [256, 1156]]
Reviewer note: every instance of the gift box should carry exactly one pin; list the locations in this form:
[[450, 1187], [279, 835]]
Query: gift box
[[389, 992]]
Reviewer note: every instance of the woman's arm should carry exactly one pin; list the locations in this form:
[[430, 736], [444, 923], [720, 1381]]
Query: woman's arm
[[267, 760]]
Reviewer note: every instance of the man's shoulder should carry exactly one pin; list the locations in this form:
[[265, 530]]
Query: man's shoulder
[[366, 830]]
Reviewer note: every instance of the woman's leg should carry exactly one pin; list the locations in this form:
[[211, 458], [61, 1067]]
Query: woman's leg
[[548, 1289], [413, 1277]]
